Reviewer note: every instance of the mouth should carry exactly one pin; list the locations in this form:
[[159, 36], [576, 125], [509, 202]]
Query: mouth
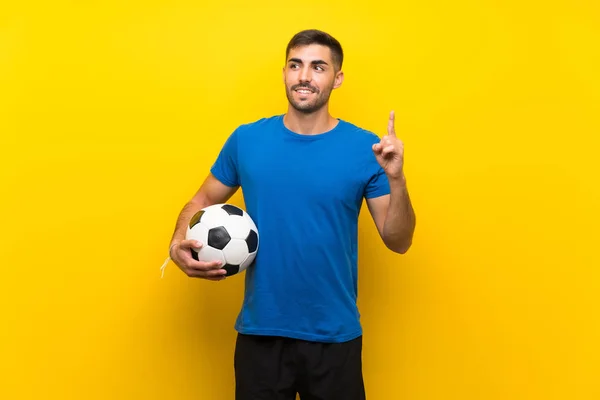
[[303, 90]]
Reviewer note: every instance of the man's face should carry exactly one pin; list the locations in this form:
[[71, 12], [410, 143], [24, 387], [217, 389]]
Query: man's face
[[309, 77]]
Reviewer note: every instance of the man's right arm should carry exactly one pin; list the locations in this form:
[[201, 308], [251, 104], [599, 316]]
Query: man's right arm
[[212, 191]]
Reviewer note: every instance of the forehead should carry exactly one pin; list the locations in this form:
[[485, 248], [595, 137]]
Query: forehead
[[310, 53]]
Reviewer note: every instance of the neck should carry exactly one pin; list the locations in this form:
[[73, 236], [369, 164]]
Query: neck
[[309, 124]]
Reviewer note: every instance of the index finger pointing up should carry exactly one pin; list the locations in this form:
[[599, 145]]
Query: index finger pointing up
[[391, 129]]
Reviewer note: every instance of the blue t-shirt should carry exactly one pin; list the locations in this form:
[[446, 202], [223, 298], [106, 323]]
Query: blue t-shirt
[[304, 192]]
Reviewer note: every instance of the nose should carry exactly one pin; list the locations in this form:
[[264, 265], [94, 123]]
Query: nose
[[305, 75]]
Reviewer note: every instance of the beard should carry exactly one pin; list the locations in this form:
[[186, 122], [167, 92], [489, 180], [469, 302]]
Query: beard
[[318, 100]]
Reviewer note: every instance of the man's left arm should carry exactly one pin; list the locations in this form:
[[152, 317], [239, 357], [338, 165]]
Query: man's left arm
[[393, 214]]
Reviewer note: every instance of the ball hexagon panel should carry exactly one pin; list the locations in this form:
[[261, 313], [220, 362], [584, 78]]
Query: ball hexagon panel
[[198, 232], [236, 251], [237, 227], [208, 254], [213, 216], [248, 261]]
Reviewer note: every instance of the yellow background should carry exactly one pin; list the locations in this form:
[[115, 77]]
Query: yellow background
[[111, 113]]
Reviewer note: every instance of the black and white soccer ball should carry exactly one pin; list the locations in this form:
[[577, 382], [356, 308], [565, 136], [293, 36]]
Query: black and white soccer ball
[[227, 233]]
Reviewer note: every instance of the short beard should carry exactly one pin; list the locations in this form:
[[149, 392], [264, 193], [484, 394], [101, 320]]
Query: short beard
[[321, 100]]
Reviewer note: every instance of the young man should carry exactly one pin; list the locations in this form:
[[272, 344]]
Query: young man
[[304, 176]]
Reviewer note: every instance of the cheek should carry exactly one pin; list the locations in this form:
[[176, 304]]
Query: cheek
[[327, 83], [288, 77]]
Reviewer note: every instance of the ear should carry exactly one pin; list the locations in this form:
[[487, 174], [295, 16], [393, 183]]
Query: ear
[[339, 78]]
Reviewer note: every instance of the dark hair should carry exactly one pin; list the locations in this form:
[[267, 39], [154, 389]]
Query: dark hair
[[315, 36]]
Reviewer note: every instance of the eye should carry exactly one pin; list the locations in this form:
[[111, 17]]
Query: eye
[[319, 68]]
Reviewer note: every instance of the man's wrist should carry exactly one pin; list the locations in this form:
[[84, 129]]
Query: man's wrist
[[171, 248], [399, 180]]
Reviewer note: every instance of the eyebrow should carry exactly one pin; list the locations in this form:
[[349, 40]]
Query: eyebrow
[[314, 62]]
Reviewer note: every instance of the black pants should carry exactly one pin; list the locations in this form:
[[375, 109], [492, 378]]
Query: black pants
[[277, 368]]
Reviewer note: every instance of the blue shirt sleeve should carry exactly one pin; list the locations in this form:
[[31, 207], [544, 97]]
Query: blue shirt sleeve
[[225, 167], [378, 185]]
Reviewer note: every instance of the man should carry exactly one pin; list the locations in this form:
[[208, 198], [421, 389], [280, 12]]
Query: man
[[304, 176]]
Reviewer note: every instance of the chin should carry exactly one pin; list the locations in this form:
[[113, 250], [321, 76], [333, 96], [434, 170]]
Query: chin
[[306, 109]]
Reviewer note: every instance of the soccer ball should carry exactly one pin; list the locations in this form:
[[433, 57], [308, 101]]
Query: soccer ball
[[227, 233]]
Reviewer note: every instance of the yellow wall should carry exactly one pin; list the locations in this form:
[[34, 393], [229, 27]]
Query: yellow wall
[[111, 113]]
